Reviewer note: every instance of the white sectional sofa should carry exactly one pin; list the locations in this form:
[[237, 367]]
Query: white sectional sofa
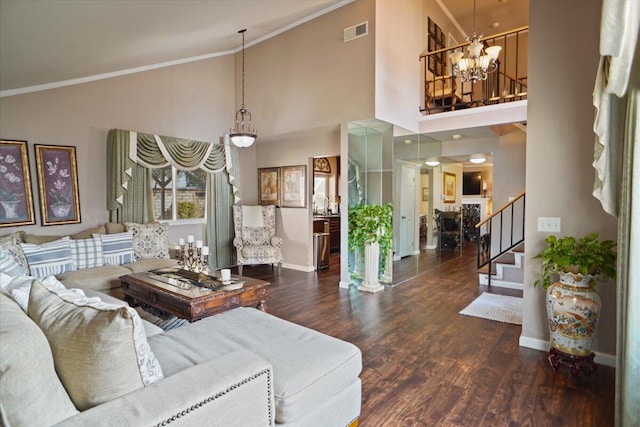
[[72, 360]]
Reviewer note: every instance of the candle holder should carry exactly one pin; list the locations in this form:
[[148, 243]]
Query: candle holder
[[192, 262]]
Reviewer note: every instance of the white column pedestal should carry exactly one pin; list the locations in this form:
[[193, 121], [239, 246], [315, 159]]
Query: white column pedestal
[[371, 265]]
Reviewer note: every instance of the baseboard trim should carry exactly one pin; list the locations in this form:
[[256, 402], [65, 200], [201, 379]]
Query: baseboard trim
[[543, 345], [305, 268], [344, 285]]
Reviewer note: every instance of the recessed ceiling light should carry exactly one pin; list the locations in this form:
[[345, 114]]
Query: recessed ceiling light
[[432, 163], [456, 136], [408, 141], [477, 160], [494, 25]]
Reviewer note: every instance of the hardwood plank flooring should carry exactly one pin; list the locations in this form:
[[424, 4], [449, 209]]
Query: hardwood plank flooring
[[426, 365]]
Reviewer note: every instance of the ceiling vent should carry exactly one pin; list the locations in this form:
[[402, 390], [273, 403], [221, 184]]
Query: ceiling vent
[[356, 31]]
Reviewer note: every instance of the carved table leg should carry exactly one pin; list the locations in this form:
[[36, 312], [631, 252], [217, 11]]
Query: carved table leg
[[262, 305]]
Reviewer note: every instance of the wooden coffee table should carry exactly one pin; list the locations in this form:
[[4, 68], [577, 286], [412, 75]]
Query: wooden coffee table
[[190, 301]]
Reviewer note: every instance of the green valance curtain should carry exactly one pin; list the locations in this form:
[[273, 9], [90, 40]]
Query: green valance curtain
[[131, 156]]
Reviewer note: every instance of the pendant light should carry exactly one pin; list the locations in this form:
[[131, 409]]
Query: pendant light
[[242, 135]]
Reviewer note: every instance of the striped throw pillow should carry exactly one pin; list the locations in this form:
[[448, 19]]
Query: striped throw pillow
[[50, 258], [9, 264], [117, 248], [87, 253]]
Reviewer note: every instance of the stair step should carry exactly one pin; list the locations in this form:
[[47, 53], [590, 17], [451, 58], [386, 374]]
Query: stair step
[[519, 248], [506, 258]]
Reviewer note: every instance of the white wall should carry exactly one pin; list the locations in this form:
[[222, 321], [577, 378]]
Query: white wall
[[193, 101], [509, 167], [559, 175]]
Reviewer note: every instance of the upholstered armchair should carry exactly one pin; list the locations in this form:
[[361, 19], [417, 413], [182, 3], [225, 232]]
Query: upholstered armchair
[[255, 240]]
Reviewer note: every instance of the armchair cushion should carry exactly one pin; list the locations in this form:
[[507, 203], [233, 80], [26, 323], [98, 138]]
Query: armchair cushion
[[256, 235], [261, 252]]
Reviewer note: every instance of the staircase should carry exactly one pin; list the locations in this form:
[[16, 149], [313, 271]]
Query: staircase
[[507, 270], [501, 246]]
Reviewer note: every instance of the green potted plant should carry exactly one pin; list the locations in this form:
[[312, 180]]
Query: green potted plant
[[573, 305], [371, 230]]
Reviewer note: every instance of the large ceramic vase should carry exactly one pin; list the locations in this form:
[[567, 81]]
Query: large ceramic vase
[[573, 309]]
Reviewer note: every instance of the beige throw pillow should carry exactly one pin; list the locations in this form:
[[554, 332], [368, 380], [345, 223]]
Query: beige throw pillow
[[100, 350]]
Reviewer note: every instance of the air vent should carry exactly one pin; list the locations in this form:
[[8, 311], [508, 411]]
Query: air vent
[[356, 31]]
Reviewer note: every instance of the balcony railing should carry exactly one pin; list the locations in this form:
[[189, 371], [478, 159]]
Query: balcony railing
[[508, 82]]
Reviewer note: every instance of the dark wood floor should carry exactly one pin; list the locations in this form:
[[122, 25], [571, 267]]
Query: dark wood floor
[[426, 365]]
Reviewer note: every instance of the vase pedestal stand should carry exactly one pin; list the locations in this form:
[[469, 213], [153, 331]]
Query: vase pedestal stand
[[576, 363]]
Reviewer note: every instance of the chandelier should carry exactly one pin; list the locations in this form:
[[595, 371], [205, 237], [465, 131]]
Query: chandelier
[[479, 61], [242, 135]]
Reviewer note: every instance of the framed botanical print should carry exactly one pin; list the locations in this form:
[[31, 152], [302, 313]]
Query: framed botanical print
[[57, 184], [16, 199], [293, 192], [269, 186], [449, 187]]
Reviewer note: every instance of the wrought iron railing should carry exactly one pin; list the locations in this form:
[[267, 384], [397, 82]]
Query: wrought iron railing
[[445, 92], [500, 232]]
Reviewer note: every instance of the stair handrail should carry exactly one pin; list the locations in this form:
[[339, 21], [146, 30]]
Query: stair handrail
[[503, 207], [484, 256]]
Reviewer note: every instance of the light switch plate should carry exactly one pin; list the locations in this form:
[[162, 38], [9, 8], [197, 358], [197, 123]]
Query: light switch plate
[[549, 224]]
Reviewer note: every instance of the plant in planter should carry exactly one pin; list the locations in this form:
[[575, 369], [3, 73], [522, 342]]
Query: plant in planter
[[573, 305], [370, 227]]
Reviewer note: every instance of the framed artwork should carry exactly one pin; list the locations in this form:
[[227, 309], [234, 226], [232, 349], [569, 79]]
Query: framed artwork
[[57, 184], [16, 200], [268, 186], [449, 187], [293, 188], [425, 194], [435, 41]]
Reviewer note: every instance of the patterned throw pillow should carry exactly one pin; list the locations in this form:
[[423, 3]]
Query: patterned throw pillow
[[117, 248], [11, 243], [90, 340], [87, 253], [9, 264], [256, 236], [50, 258], [149, 240]]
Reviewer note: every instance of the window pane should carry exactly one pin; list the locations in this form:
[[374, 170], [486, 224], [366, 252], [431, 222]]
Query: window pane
[[162, 198], [190, 193]]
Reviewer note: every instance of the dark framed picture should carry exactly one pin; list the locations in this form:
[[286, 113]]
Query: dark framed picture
[[16, 199], [269, 186], [449, 187], [57, 184], [294, 181]]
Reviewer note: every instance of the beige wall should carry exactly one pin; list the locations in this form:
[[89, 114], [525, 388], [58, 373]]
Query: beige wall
[[509, 166], [560, 150], [193, 100], [308, 77], [294, 224]]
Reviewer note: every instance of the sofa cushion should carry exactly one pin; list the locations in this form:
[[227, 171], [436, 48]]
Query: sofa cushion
[[9, 264], [11, 243], [48, 258], [114, 227], [150, 264], [30, 391], [87, 253], [97, 278], [87, 234], [149, 240], [117, 248], [39, 239], [309, 367], [100, 350]]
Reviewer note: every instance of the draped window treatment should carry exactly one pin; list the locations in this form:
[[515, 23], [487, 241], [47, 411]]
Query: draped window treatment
[[131, 157], [616, 97]]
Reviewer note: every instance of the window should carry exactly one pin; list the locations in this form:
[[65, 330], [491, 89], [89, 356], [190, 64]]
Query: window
[[320, 191], [187, 199]]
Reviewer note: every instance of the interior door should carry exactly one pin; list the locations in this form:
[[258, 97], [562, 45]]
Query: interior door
[[407, 211]]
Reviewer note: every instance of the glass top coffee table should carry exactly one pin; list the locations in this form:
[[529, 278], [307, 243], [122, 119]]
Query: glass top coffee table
[[167, 291]]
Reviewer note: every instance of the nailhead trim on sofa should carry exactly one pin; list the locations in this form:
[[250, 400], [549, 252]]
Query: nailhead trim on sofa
[[222, 393]]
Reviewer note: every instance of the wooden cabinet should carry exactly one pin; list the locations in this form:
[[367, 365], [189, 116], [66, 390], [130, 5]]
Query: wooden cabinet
[[334, 233]]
